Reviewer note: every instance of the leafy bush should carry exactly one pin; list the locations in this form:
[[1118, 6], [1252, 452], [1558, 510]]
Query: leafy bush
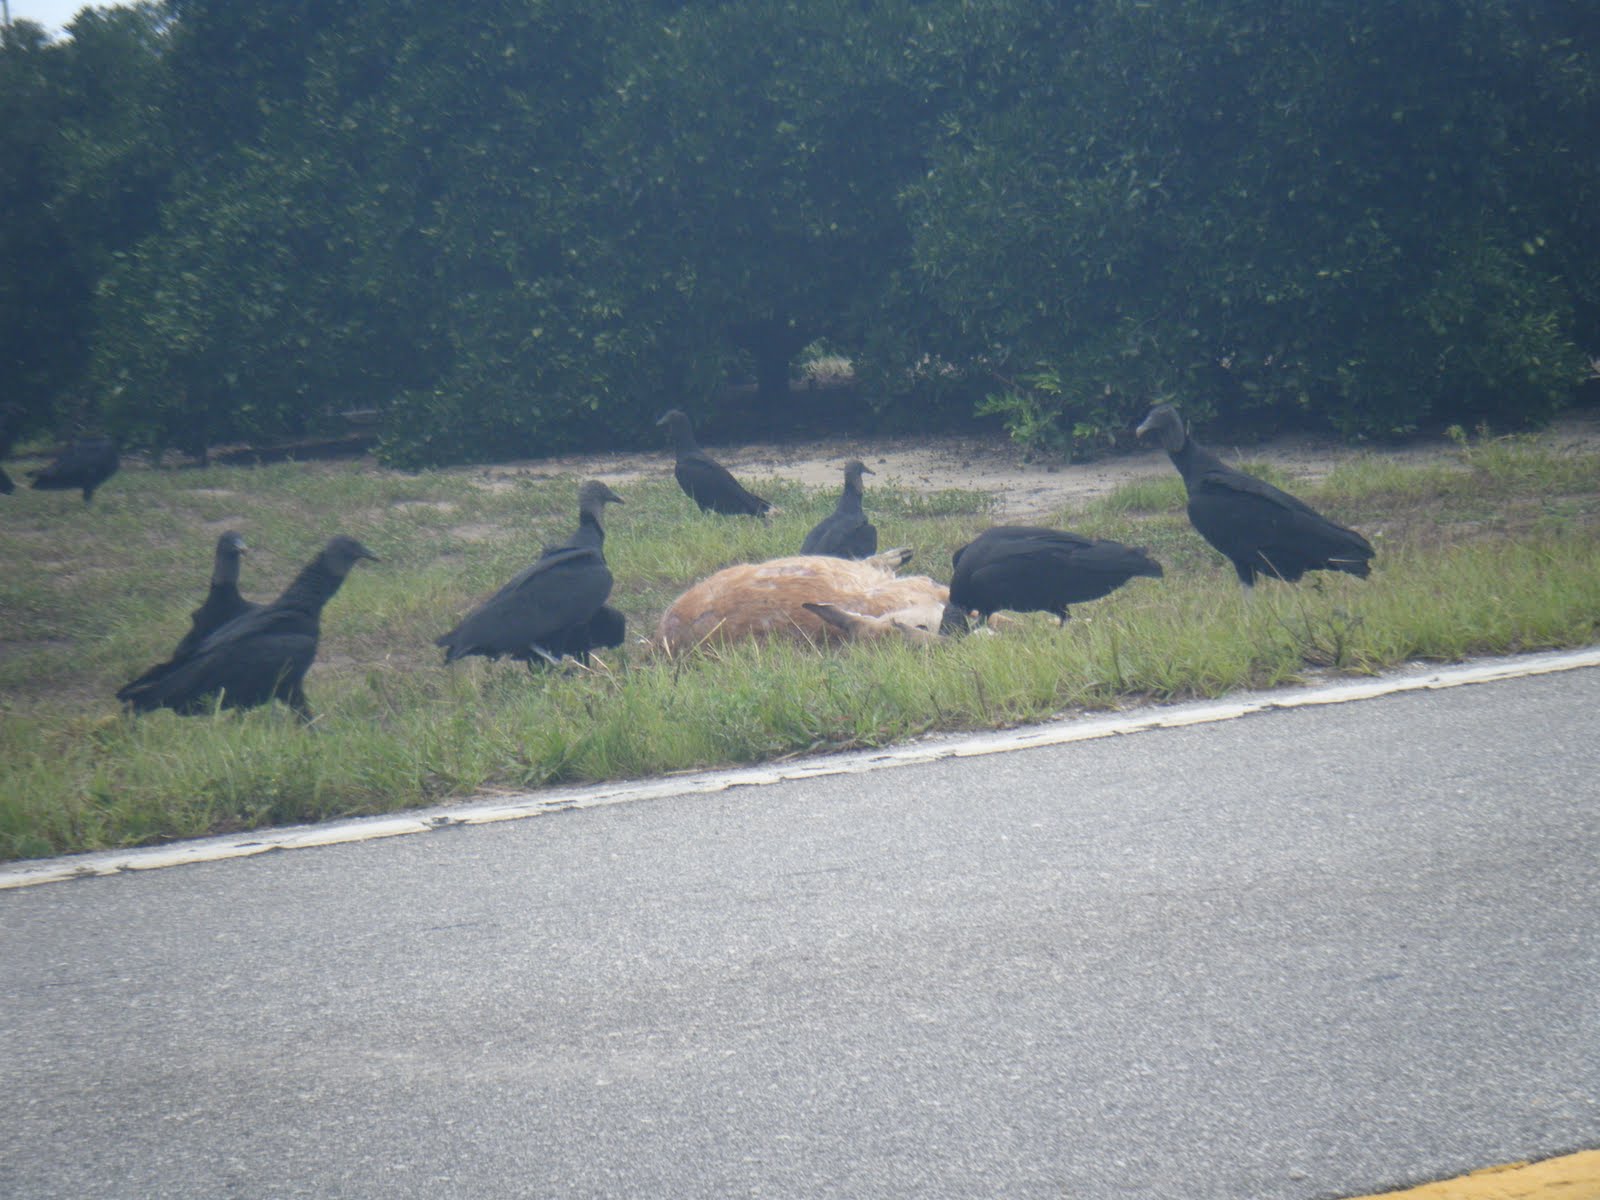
[[513, 227], [1266, 216]]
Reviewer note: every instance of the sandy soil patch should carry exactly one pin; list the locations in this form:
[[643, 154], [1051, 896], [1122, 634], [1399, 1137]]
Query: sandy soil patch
[[475, 531], [442, 506], [1025, 489]]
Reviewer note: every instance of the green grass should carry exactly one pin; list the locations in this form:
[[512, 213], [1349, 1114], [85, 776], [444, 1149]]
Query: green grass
[[1495, 549]]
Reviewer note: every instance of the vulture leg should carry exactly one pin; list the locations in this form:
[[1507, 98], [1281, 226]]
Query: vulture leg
[[542, 655]]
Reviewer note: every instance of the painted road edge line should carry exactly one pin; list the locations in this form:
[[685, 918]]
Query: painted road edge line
[[1569, 1177], [932, 749]]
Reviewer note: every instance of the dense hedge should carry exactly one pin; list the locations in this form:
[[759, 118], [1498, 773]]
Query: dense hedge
[[522, 227]]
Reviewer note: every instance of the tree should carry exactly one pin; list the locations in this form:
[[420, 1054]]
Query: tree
[[1313, 209], [753, 155], [479, 134], [520, 226], [83, 166], [384, 222]]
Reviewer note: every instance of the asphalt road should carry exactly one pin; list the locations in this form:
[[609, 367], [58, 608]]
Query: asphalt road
[[1305, 954]]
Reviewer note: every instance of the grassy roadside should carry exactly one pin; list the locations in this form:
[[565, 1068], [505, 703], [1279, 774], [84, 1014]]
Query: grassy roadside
[[1495, 551]]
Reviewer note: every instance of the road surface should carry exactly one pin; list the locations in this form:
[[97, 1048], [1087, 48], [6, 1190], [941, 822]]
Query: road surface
[[1309, 953]]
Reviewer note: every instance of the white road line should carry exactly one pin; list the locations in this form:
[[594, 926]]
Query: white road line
[[561, 799]]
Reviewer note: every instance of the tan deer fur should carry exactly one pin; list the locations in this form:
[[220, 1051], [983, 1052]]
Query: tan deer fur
[[769, 599]]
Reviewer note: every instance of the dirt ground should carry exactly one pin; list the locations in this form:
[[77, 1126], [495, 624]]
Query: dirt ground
[[1026, 490]]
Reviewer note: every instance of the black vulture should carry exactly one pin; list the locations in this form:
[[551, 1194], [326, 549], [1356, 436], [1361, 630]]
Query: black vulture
[[703, 479], [222, 604], [1259, 528], [1023, 568], [556, 606], [845, 532], [84, 464], [264, 654], [607, 627]]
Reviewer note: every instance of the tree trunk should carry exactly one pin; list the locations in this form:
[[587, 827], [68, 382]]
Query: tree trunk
[[772, 374], [773, 344]]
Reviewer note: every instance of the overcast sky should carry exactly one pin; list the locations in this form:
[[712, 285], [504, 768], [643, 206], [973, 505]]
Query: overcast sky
[[52, 14]]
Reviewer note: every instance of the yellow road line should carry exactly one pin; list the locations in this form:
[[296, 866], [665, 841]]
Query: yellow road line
[[1573, 1177]]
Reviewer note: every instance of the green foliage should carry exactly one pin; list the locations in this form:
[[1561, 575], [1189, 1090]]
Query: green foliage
[[82, 170], [753, 157], [520, 227], [387, 223], [237, 321], [1266, 216], [489, 198], [1031, 419], [37, 283]]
